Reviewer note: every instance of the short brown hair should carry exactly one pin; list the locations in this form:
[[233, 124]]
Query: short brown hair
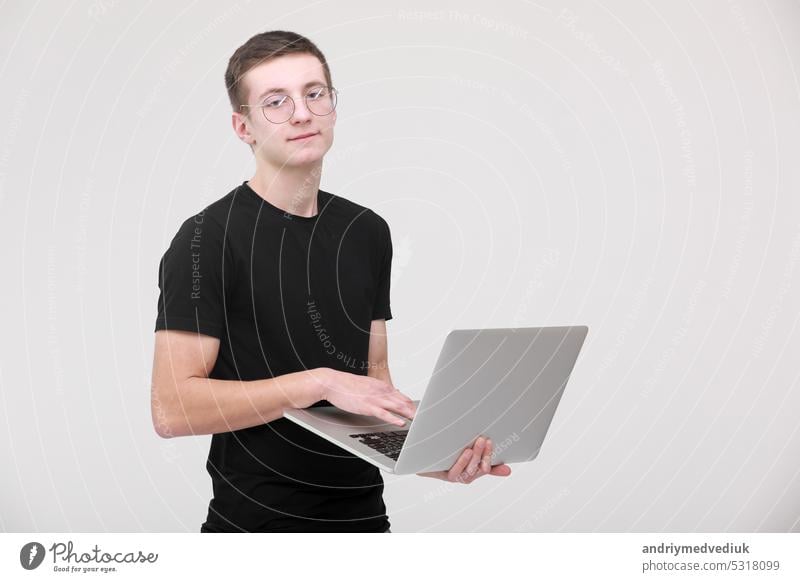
[[259, 49]]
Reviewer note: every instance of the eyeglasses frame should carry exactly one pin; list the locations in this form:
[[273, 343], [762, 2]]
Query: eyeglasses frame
[[333, 90]]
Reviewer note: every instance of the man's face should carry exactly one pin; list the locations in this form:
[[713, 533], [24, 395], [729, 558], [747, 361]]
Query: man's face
[[274, 143]]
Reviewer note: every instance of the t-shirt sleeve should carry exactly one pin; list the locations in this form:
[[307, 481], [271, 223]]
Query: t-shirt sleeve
[[191, 277], [382, 308]]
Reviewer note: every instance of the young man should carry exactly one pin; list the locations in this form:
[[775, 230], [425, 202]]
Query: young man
[[276, 296]]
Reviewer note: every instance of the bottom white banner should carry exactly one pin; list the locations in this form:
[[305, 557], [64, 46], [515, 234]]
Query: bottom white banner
[[515, 556]]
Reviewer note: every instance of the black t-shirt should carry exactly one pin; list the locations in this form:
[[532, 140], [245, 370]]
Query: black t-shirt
[[283, 293]]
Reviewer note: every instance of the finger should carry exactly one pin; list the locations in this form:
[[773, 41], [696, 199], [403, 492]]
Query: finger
[[467, 478], [458, 467], [464, 478], [486, 463], [402, 395], [409, 408], [412, 408], [502, 470], [388, 417], [477, 451], [395, 406], [408, 404], [389, 397]]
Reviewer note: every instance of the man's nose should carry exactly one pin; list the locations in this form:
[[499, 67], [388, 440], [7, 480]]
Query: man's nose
[[301, 111]]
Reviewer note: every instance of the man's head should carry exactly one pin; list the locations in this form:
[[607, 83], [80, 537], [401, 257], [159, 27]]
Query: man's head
[[267, 67]]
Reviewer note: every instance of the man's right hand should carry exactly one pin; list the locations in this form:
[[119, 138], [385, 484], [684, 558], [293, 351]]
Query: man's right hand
[[367, 395]]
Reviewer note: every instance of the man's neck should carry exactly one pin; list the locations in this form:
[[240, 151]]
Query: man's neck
[[293, 190]]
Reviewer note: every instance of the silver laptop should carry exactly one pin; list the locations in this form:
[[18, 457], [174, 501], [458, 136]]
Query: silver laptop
[[504, 384]]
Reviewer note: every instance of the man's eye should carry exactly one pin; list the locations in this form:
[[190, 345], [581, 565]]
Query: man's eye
[[318, 93], [275, 101]]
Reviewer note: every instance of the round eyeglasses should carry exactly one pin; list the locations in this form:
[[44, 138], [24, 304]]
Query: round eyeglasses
[[279, 108]]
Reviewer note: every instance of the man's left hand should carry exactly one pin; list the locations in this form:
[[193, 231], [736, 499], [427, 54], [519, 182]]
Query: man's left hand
[[473, 462]]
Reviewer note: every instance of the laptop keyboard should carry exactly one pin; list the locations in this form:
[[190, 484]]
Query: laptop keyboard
[[389, 443]]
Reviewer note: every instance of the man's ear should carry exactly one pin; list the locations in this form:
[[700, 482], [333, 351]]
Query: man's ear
[[239, 123]]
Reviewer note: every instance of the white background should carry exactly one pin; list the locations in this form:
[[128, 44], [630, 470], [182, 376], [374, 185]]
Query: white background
[[627, 166]]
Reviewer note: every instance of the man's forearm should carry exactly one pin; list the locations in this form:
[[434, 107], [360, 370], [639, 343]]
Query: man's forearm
[[208, 406]]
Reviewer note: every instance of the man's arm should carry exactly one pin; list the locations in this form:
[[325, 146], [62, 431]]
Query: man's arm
[[185, 401], [379, 352]]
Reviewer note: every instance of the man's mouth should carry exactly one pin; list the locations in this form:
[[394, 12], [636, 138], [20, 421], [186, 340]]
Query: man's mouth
[[303, 136]]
